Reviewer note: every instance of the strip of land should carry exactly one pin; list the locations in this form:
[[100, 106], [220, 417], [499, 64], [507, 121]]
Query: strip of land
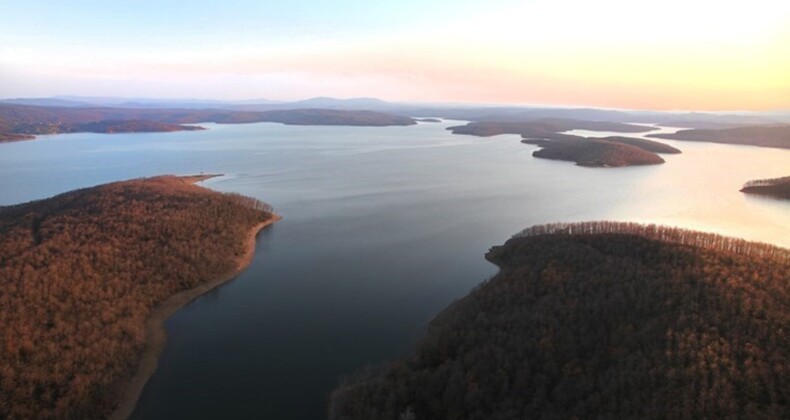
[[9, 137], [777, 135], [19, 122], [774, 187]]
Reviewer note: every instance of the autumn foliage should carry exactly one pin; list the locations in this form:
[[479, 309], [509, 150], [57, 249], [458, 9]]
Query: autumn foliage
[[80, 273], [600, 320]]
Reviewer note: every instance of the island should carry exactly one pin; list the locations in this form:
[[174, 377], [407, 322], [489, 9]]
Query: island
[[774, 187], [27, 120], [776, 135], [88, 277], [599, 320]]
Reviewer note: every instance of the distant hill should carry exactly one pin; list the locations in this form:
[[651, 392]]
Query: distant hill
[[599, 320], [468, 112], [81, 272], [761, 135], [775, 187], [58, 102]]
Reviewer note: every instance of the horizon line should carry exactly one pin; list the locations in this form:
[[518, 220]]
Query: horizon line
[[268, 101]]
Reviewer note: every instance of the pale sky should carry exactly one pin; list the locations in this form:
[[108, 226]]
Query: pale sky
[[669, 54]]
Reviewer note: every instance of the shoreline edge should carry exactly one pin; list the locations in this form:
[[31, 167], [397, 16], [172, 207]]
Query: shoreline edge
[[156, 334]]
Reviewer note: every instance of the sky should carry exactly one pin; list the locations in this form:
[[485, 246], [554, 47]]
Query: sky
[[649, 54]]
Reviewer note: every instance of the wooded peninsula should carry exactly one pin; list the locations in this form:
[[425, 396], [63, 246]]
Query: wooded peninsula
[[774, 187], [600, 320], [21, 122], [81, 273], [777, 135], [547, 133]]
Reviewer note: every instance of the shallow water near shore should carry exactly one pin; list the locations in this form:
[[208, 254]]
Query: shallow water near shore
[[382, 228]]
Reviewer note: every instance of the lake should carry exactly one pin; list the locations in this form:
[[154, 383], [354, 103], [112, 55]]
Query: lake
[[382, 229]]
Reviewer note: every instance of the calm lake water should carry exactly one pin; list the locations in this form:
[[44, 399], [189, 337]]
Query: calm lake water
[[383, 228]]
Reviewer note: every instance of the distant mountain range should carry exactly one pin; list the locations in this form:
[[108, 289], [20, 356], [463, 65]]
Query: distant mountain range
[[468, 112]]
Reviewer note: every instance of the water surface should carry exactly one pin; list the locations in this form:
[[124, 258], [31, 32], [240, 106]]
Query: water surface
[[382, 228]]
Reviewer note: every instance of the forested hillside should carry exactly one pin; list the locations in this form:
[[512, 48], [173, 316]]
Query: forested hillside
[[81, 272], [600, 320]]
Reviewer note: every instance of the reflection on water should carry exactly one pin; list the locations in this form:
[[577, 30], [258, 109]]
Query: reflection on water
[[382, 228]]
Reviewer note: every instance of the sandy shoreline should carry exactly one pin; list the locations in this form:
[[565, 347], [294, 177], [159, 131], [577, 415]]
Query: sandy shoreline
[[156, 335]]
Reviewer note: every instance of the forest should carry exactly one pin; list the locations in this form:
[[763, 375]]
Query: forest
[[599, 320], [80, 273], [773, 187]]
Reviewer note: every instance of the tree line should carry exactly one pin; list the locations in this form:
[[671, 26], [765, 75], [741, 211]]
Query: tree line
[[662, 233], [768, 182]]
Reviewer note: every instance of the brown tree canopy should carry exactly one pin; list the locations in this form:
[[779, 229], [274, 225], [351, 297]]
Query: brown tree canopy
[[600, 320], [81, 272]]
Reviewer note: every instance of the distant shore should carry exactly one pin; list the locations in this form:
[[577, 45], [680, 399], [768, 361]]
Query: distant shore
[[156, 335]]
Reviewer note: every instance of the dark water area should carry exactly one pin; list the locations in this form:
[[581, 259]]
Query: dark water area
[[382, 229]]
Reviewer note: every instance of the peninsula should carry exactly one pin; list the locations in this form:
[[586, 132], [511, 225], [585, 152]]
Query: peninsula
[[8, 137], [777, 135], [613, 151], [599, 320], [774, 187], [88, 277], [544, 127], [27, 120]]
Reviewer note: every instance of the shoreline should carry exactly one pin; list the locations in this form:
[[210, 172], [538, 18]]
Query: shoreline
[[156, 334]]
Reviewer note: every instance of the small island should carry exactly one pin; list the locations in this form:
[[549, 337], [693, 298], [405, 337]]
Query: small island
[[774, 187], [599, 320], [757, 135], [87, 279]]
